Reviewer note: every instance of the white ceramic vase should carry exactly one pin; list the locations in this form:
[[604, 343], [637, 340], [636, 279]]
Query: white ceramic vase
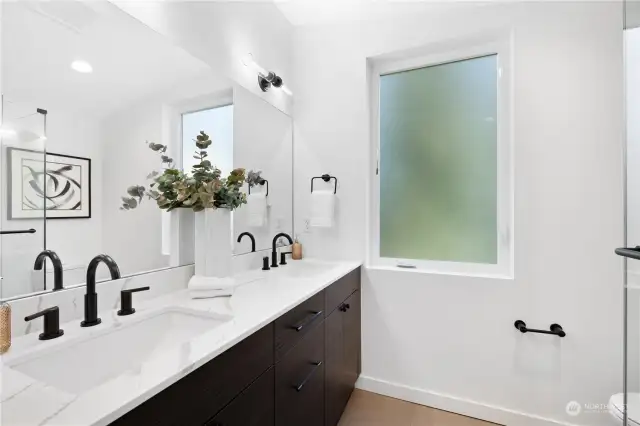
[[213, 250]]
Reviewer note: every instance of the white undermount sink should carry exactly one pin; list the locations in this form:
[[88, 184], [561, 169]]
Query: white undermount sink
[[85, 364]]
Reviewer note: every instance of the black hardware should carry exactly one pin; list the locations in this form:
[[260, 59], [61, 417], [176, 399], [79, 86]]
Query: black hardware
[[632, 253], [51, 322], [253, 240], [22, 231], [326, 178], [265, 263], [57, 267], [266, 81], [283, 257], [308, 320], [554, 329], [126, 307], [274, 253], [262, 182], [344, 307], [91, 297], [316, 365]]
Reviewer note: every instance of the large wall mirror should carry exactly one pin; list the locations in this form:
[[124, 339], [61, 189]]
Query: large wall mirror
[[86, 89]]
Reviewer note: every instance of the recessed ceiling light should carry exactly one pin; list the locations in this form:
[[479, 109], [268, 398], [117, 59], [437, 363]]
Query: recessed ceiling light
[[82, 66]]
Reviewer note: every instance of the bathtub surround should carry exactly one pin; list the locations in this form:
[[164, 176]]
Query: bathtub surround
[[568, 172]]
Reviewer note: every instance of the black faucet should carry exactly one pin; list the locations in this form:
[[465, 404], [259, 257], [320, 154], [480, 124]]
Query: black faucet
[[91, 298], [274, 253], [57, 267], [253, 240]]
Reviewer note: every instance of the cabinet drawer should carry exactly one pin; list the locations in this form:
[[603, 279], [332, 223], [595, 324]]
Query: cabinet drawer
[[199, 396], [253, 407], [296, 323], [337, 292], [300, 383]]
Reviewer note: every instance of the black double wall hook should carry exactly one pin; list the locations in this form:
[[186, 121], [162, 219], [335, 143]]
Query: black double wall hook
[[555, 329], [325, 177]]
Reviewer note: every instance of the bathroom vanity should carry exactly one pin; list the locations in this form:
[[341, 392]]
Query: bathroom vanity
[[283, 350], [297, 370]]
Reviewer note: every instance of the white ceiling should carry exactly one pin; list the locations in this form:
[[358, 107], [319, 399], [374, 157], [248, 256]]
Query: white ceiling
[[315, 12], [130, 61]]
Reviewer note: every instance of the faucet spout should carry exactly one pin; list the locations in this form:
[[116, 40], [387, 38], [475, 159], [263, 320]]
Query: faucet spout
[[253, 239], [57, 267], [91, 297], [274, 253]]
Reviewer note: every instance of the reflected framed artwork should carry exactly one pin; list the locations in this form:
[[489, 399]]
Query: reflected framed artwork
[[61, 185]]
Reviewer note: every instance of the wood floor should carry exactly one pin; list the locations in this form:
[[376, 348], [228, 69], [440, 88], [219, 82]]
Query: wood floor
[[370, 409]]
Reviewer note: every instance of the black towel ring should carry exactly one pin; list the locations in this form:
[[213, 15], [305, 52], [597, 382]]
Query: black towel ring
[[262, 183], [326, 178]]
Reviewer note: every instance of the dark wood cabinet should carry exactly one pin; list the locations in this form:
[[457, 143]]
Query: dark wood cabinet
[[300, 382], [342, 334], [253, 407], [299, 370]]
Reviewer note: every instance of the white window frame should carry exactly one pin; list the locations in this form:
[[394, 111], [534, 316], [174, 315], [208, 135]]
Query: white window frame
[[443, 54]]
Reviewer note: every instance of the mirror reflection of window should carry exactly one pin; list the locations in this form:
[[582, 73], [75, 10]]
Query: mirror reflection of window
[[218, 124]]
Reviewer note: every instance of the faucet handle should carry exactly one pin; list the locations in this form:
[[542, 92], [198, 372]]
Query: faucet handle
[[51, 322], [126, 307]]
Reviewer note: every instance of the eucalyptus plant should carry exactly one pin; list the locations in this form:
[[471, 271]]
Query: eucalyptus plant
[[203, 188]]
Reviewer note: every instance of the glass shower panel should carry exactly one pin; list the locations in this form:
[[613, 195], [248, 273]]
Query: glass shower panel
[[627, 404], [23, 192]]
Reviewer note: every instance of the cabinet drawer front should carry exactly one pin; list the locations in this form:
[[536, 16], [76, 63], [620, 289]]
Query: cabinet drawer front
[[253, 407], [199, 396], [337, 292], [300, 383], [295, 324]]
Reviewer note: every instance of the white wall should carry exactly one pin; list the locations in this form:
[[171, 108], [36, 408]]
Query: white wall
[[446, 340], [222, 33]]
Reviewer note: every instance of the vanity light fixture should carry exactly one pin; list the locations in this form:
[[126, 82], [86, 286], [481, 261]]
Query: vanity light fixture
[[266, 79], [83, 67]]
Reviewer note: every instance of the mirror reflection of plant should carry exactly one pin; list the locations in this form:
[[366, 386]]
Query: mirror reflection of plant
[[203, 188]]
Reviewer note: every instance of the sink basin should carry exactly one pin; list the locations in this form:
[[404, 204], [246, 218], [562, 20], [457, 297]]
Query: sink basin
[[85, 364]]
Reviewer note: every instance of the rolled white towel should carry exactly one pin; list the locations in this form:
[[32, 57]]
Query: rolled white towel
[[322, 208], [257, 205]]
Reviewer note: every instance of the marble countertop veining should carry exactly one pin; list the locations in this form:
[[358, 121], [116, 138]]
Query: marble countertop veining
[[269, 294]]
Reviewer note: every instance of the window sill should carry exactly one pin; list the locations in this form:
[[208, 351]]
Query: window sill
[[506, 277]]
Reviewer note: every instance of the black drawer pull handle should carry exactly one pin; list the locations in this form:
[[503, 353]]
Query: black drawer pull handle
[[632, 253], [316, 365], [24, 231], [307, 320], [344, 307]]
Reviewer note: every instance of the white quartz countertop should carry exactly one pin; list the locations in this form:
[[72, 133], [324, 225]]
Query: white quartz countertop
[[28, 402]]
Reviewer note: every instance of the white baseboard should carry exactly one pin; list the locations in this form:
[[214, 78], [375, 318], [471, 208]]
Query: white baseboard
[[454, 404]]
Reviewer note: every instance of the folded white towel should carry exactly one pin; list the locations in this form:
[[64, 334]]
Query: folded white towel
[[257, 205], [201, 283], [207, 294], [322, 208]]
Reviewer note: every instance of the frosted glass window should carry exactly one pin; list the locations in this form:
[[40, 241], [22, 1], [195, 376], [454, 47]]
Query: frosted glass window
[[439, 162], [218, 124]]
